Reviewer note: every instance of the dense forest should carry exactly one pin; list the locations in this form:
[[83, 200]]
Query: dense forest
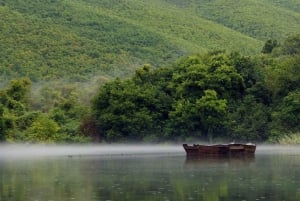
[[162, 70], [211, 96]]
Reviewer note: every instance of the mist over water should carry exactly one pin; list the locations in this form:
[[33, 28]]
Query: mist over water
[[143, 172], [278, 149], [38, 150]]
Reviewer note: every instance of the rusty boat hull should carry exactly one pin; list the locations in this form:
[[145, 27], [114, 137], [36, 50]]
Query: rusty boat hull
[[232, 149]]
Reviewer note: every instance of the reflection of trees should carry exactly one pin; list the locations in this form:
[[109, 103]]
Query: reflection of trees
[[43, 180], [151, 178], [239, 179]]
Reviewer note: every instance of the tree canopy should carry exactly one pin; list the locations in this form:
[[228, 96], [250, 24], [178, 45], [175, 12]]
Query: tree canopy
[[207, 96]]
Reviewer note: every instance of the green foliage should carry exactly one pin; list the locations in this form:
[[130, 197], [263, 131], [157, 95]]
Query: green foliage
[[128, 111], [18, 89], [255, 18], [76, 40], [249, 120], [15, 97], [183, 111], [89, 127], [269, 46], [212, 112], [209, 96], [287, 115], [182, 102], [283, 76], [26, 120], [291, 45], [248, 67], [201, 118], [42, 130], [293, 5], [20, 122], [291, 139], [214, 70]]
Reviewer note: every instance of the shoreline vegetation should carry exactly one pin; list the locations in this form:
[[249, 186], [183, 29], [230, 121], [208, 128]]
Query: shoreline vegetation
[[213, 96]]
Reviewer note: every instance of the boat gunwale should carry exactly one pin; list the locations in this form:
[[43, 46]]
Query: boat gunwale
[[220, 149]]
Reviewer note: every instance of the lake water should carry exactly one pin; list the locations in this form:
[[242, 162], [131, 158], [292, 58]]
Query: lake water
[[145, 173]]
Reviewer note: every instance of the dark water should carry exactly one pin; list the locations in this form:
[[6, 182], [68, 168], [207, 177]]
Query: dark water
[[274, 174]]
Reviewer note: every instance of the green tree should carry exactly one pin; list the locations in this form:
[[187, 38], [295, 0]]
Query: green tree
[[283, 76], [249, 67], [136, 108], [43, 129], [67, 113], [227, 82], [19, 89], [184, 121], [249, 120], [288, 113], [291, 45], [215, 70], [212, 111], [201, 118], [89, 127], [15, 96], [269, 46], [206, 96]]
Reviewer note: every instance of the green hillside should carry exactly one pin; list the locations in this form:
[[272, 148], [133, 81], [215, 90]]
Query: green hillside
[[258, 19], [75, 40], [290, 4]]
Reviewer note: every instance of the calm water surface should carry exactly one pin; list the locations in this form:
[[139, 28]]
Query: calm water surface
[[86, 175]]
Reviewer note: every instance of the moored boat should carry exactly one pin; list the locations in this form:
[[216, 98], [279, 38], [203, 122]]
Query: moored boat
[[220, 149]]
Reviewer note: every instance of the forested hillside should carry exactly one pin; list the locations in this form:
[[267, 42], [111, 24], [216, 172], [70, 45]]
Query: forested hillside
[[74, 40], [214, 96], [156, 70], [261, 20]]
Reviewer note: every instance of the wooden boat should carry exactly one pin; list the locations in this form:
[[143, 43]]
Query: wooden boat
[[220, 149]]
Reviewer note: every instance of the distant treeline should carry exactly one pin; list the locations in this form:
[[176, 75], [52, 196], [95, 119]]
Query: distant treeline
[[211, 96]]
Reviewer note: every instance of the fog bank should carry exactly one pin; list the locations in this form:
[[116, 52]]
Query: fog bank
[[23, 150], [38, 150]]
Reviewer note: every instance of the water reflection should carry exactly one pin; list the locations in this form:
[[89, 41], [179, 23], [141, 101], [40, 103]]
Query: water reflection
[[220, 160], [165, 176]]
